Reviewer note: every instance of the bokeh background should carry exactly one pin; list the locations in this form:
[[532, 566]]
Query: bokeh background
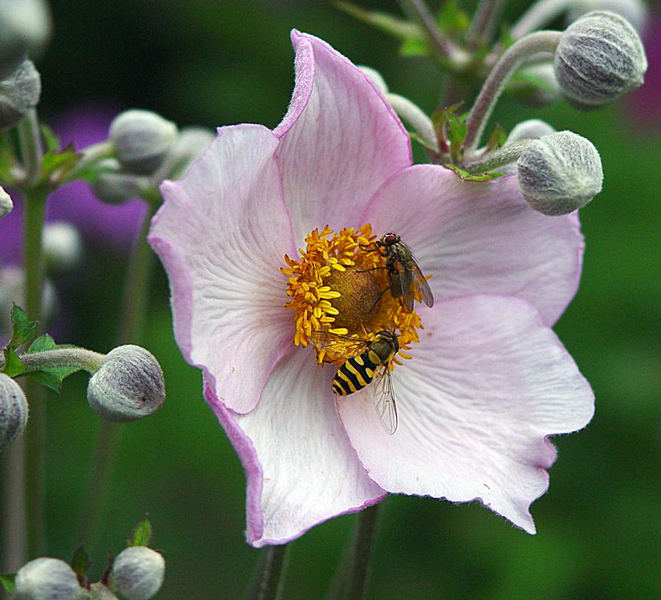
[[230, 61]]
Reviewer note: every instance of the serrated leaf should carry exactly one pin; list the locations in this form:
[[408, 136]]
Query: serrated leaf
[[497, 138], [23, 330], [141, 535], [80, 563], [7, 581], [13, 364], [466, 176], [394, 26]]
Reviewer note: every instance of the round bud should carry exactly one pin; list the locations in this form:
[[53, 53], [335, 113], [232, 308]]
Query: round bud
[[6, 204], [25, 27], [529, 130], [18, 94], [633, 11], [63, 248], [137, 573], [128, 386], [599, 58], [190, 144], [46, 579], [142, 139], [114, 187], [559, 173], [13, 410]]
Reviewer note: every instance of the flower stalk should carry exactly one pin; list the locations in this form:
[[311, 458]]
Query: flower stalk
[[269, 579], [520, 51], [493, 160]]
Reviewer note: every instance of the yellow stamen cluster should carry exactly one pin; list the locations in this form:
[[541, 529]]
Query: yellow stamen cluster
[[339, 289]]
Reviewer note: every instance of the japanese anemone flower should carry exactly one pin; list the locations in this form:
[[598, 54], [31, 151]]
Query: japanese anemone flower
[[484, 381]]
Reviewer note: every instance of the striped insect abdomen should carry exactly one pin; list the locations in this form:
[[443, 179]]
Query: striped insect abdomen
[[356, 373]]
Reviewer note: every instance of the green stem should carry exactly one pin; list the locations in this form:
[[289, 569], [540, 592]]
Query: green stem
[[506, 155], [132, 315], [269, 579], [350, 582]]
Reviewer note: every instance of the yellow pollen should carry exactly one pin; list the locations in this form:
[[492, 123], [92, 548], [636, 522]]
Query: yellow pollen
[[339, 285]]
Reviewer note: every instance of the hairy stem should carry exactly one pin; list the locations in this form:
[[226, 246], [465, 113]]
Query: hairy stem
[[63, 357], [484, 22], [509, 153], [538, 15], [519, 52]]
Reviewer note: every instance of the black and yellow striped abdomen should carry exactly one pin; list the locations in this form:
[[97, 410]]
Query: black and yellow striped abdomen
[[359, 371], [356, 373]]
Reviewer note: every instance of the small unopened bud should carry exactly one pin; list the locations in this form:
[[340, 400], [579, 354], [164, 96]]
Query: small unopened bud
[[46, 579], [6, 204], [559, 173], [190, 144], [18, 94], [128, 386], [13, 410], [114, 186], [142, 139], [633, 11], [599, 58], [137, 573], [25, 27], [529, 130], [63, 248]]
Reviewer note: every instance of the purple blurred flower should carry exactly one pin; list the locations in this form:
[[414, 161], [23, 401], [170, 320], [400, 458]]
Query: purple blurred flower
[[646, 101], [115, 226]]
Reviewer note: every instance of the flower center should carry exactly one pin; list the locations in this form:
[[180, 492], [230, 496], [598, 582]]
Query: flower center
[[339, 286]]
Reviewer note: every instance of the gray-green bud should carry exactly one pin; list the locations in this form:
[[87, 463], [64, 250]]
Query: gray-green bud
[[13, 410], [6, 205], [46, 579], [25, 27], [128, 386], [137, 573], [113, 186], [18, 94], [559, 173], [599, 58], [142, 139]]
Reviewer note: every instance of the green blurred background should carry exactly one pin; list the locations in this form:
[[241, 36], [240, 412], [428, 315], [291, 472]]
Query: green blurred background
[[599, 526]]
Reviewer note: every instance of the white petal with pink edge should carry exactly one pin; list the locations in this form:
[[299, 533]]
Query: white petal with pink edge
[[300, 466], [221, 235], [481, 238], [485, 387], [340, 140]]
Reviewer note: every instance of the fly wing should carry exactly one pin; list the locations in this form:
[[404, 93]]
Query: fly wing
[[384, 401], [336, 345], [406, 284], [423, 286]]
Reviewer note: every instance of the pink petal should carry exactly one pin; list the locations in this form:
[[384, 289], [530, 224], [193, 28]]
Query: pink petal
[[481, 238], [340, 140], [300, 467], [485, 387], [221, 234]]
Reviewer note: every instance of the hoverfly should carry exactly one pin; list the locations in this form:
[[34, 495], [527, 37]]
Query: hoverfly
[[404, 274], [371, 363]]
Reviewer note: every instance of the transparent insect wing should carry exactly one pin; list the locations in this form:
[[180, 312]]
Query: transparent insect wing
[[406, 283], [384, 401], [423, 286], [334, 342]]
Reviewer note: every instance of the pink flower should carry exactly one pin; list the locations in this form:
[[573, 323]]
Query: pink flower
[[486, 384]]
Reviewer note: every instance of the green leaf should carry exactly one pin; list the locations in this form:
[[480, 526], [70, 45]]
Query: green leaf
[[54, 162], [80, 563], [51, 143], [23, 330], [466, 176], [497, 138], [51, 377], [391, 25], [141, 534], [414, 47], [13, 364], [452, 20], [7, 582]]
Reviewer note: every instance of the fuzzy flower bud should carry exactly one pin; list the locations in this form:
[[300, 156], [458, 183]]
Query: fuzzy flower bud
[[128, 386], [137, 573], [142, 140], [46, 579], [63, 248], [18, 94], [599, 58], [6, 204], [114, 186], [559, 173], [13, 410], [25, 27], [531, 129]]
